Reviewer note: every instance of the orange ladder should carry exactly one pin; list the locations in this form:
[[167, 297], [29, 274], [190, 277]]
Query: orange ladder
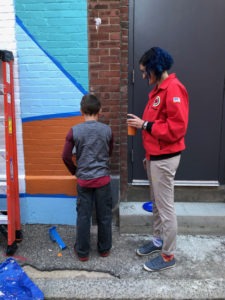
[[10, 225]]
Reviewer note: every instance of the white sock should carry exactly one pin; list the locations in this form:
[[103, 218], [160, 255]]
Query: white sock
[[157, 242]]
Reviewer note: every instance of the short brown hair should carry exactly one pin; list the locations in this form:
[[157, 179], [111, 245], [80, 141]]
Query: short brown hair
[[90, 104]]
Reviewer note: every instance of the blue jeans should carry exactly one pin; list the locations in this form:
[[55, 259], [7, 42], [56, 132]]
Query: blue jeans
[[103, 204]]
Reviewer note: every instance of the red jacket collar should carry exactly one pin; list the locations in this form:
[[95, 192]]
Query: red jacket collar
[[165, 83]]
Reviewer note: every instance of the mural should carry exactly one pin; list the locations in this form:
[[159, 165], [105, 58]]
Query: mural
[[53, 72]]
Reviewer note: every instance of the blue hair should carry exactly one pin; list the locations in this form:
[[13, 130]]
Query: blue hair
[[156, 60]]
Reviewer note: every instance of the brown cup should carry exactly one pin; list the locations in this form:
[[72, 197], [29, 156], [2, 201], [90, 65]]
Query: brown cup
[[131, 130]]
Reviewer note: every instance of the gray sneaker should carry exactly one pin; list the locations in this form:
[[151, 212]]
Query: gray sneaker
[[148, 249], [158, 264]]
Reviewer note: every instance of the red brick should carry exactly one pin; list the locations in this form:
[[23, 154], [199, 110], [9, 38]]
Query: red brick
[[99, 52], [100, 35], [100, 81], [110, 28], [99, 67], [94, 59], [109, 59], [114, 20], [114, 81], [109, 74], [114, 36]]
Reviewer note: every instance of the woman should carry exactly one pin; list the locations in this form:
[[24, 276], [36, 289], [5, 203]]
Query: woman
[[164, 125]]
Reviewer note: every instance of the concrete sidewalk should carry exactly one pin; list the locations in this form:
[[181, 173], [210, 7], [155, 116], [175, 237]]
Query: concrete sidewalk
[[192, 218], [199, 273]]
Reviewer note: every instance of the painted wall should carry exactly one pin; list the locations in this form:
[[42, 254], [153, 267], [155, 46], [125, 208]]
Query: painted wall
[[8, 42], [52, 53]]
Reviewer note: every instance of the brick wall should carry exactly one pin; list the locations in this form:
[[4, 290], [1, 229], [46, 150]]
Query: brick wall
[[108, 74]]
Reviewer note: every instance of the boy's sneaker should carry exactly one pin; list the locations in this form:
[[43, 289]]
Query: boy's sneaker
[[148, 249], [159, 264], [85, 258], [104, 254], [81, 258]]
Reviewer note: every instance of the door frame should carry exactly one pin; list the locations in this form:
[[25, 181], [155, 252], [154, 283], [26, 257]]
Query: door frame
[[221, 158], [221, 175]]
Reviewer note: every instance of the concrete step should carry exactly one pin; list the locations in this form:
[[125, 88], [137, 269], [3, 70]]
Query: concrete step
[[192, 218], [210, 194]]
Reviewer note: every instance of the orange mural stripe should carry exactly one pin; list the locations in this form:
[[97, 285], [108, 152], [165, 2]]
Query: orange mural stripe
[[43, 146]]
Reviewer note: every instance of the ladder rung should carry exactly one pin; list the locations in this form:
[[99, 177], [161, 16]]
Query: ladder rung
[[3, 219]]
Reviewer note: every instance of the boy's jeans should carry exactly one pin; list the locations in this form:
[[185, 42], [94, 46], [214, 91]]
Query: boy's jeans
[[103, 203]]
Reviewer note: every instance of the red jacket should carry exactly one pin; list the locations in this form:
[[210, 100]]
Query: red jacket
[[168, 108]]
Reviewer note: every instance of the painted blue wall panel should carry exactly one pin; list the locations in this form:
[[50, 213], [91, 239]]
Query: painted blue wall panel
[[63, 23], [43, 84], [48, 210]]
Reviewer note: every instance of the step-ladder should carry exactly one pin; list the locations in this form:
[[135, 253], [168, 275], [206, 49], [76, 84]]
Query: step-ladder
[[10, 225]]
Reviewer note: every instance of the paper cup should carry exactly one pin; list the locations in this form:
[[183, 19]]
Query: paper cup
[[131, 130]]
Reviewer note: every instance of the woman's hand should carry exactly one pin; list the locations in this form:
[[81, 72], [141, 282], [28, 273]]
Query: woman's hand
[[135, 121]]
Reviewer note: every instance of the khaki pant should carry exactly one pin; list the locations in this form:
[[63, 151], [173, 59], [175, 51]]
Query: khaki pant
[[161, 175]]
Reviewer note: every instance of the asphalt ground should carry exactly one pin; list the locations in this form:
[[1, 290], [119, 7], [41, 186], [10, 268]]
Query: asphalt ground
[[199, 271]]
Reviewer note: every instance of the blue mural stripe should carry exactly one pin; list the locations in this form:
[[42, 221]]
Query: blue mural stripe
[[59, 66], [47, 195], [49, 117], [24, 195]]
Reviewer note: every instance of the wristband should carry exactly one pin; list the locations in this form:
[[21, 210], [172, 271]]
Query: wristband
[[145, 124]]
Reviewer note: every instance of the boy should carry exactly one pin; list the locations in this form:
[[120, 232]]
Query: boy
[[93, 142]]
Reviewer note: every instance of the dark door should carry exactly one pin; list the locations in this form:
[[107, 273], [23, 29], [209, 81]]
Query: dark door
[[193, 32]]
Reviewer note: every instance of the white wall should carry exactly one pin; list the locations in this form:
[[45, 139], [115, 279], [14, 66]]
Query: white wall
[[8, 42]]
